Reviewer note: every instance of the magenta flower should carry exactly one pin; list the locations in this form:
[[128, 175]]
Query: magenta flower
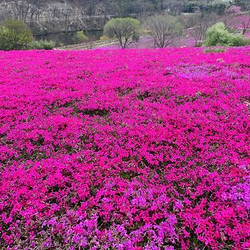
[[125, 149]]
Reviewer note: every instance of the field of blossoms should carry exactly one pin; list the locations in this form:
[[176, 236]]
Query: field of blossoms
[[125, 149]]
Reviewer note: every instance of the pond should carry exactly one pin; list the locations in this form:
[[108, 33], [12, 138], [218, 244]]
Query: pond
[[69, 37]]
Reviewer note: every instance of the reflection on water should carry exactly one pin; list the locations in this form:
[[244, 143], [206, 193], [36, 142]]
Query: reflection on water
[[68, 38]]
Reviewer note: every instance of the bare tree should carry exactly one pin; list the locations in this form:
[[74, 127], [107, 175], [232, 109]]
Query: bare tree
[[164, 29], [236, 19], [21, 9], [244, 22], [36, 9], [51, 14], [66, 17], [201, 24], [5, 12]]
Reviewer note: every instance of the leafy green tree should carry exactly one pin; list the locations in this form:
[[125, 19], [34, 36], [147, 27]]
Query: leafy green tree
[[218, 35], [14, 35], [125, 30], [164, 29]]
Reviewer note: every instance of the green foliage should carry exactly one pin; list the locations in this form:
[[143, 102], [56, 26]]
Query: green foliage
[[238, 40], [205, 7], [198, 45], [164, 29], [126, 30], [14, 35], [128, 7], [214, 50], [247, 41], [103, 39], [190, 7], [218, 8], [218, 35], [81, 37], [42, 44]]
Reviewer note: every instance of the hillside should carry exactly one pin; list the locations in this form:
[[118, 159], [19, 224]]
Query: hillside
[[55, 15]]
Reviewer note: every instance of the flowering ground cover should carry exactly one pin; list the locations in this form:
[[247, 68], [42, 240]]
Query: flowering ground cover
[[125, 149]]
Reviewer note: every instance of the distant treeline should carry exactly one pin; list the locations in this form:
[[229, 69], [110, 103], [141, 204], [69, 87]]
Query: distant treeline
[[51, 16], [127, 7]]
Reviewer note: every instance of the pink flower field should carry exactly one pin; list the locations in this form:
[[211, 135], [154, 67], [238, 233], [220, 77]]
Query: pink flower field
[[125, 149]]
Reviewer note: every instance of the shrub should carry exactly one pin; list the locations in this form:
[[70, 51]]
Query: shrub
[[247, 41], [126, 30], [42, 44], [81, 37], [214, 50], [14, 35], [218, 35], [103, 39], [238, 40]]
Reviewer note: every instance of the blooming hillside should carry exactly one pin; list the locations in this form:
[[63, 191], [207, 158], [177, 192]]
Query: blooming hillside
[[136, 149]]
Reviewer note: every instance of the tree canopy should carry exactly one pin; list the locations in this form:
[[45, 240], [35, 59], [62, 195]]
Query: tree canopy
[[15, 34], [125, 30]]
